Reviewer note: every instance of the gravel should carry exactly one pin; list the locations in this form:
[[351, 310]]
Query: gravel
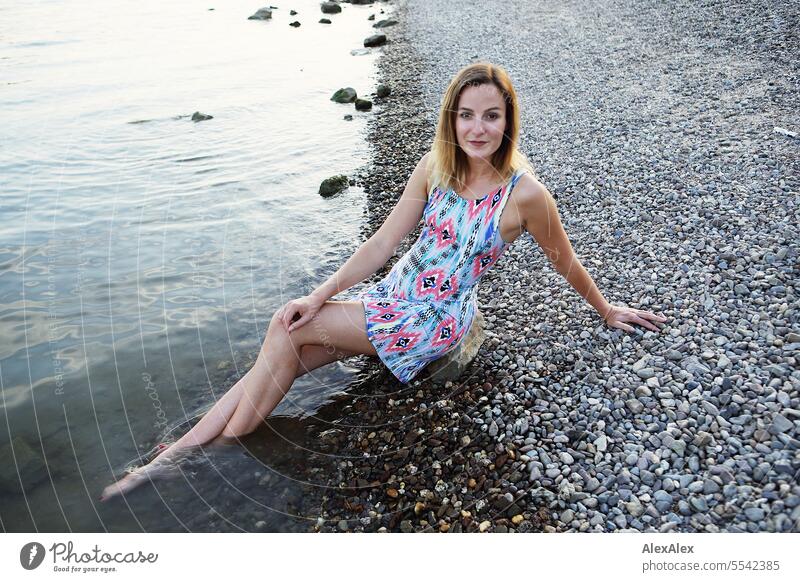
[[653, 123]]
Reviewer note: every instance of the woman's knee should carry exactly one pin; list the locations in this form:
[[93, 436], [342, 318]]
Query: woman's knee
[[278, 338], [337, 327], [276, 326]]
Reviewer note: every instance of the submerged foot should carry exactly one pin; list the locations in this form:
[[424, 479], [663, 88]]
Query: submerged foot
[[160, 466], [133, 479]]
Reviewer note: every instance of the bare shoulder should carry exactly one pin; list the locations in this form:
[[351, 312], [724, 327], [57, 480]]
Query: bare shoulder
[[529, 188], [532, 197], [425, 162]]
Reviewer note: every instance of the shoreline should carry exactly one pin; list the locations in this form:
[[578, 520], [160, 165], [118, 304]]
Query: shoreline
[[560, 423]]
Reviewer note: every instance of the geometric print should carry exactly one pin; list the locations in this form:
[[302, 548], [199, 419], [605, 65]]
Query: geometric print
[[425, 305]]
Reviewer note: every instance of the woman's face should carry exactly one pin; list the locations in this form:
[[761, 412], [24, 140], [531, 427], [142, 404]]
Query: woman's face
[[480, 120]]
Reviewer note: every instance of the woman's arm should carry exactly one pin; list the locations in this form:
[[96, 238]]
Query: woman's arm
[[376, 250], [542, 221]]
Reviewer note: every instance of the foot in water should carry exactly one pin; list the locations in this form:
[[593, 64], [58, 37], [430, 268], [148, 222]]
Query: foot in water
[[139, 475]]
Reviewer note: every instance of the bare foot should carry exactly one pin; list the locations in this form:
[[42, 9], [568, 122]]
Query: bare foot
[[128, 482], [160, 466]]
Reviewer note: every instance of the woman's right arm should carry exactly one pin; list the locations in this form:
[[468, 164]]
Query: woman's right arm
[[376, 250]]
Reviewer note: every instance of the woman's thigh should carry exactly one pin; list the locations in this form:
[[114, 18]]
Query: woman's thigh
[[313, 357], [338, 326]]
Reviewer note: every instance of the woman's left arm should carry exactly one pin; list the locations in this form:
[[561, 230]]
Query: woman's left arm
[[538, 209]]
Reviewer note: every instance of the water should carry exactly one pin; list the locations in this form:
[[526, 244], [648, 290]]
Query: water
[[142, 254]]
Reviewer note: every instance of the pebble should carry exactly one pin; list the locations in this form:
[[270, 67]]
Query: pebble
[[780, 424], [634, 405], [698, 504], [634, 507], [663, 500], [754, 513]]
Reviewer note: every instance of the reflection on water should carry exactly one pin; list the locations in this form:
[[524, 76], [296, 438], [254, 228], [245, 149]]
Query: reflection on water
[[142, 254]]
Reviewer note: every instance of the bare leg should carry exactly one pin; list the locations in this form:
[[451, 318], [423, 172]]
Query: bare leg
[[338, 326], [214, 423], [215, 420], [277, 368]]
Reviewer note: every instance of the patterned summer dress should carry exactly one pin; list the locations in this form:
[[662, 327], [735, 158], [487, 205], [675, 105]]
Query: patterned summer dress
[[425, 305]]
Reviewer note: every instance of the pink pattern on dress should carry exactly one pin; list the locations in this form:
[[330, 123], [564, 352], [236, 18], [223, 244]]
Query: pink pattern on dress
[[445, 332], [482, 262], [402, 341], [434, 282], [493, 203], [445, 234]]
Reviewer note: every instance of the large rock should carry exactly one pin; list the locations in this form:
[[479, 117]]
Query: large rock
[[261, 14], [333, 185], [375, 40], [452, 365], [363, 104], [330, 8], [345, 95]]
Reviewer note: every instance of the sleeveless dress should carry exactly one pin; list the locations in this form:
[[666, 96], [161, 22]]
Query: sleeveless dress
[[426, 304]]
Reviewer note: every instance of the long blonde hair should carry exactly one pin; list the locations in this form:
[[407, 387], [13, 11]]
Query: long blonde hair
[[448, 163]]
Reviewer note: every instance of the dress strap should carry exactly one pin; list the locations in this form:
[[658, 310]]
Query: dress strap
[[514, 179]]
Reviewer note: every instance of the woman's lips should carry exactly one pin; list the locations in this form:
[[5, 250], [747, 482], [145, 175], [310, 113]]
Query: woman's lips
[[477, 143]]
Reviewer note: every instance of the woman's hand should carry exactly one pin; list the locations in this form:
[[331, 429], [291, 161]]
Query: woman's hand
[[307, 307], [616, 316]]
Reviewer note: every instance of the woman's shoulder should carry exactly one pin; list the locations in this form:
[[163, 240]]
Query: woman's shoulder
[[528, 187], [426, 160]]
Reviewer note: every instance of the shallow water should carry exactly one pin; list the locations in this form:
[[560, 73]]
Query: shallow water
[[142, 254]]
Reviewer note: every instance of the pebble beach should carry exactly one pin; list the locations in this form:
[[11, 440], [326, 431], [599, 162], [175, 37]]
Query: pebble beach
[[668, 134]]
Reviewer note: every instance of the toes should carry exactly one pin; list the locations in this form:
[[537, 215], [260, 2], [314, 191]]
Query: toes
[[109, 492], [126, 483]]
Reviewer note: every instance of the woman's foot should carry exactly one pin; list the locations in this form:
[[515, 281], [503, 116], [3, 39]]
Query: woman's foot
[[133, 479], [158, 467]]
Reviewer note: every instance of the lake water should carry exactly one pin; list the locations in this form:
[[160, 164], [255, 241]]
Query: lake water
[[142, 254]]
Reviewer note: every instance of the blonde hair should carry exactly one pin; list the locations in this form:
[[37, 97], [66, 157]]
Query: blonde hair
[[448, 163]]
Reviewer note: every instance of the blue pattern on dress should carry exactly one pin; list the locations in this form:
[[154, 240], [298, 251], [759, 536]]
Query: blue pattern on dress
[[425, 305]]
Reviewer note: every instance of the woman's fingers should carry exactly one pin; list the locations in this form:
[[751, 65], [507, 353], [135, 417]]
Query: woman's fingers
[[650, 315], [658, 320], [644, 323], [635, 316], [288, 314], [623, 326], [299, 322]]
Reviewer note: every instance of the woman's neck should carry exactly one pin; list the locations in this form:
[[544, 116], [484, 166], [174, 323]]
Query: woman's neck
[[479, 173]]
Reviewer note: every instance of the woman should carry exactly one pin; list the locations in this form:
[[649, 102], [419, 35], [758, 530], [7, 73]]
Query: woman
[[426, 304]]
